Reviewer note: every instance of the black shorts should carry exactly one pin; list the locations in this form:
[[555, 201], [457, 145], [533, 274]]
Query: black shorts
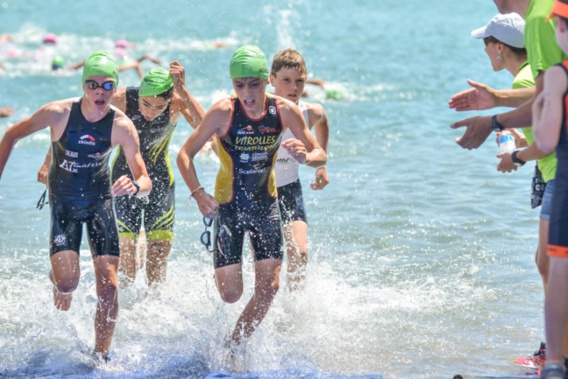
[[557, 235], [291, 203], [261, 219], [67, 218], [158, 209]]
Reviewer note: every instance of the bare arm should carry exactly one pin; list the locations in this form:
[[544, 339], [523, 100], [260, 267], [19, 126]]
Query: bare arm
[[318, 118], [305, 149], [44, 168], [478, 128], [52, 115], [215, 122], [119, 100], [481, 96], [547, 109], [185, 103]]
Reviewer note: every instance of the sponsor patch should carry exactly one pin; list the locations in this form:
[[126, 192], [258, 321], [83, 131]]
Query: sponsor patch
[[87, 140], [60, 239]]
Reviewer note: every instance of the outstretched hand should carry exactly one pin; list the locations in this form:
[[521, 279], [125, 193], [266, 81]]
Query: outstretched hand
[[479, 97], [478, 128]]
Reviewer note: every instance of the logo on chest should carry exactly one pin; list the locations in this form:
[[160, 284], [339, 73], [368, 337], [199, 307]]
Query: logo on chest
[[87, 140]]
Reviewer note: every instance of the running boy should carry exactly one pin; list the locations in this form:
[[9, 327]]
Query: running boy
[[83, 133], [248, 128], [154, 108], [288, 77]]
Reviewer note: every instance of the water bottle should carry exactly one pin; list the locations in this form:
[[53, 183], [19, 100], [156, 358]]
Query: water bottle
[[507, 142]]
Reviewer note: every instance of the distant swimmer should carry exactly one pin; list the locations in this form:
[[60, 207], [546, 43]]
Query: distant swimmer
[[6, 112], [121, 51], [288, 77], [124, 61], [83, 133], [248, 127], [330, 93]]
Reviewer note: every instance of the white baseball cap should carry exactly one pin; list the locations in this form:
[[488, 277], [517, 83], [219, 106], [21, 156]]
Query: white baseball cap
[[508, 28]]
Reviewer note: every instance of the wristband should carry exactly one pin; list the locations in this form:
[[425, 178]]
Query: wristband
[[195, 190], [495, 125], [517, 161], [137, 187]]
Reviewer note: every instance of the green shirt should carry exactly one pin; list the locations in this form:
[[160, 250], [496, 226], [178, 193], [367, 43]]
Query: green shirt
[[542, 50], [546, 165]]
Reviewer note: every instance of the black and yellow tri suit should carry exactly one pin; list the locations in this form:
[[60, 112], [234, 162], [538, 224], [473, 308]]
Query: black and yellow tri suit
[[158, 207], [246, 187]]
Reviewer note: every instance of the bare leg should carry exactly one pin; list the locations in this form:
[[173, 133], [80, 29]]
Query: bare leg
[[127, 261], [229, 281], [555, 308], [157, 261], [141, 247], [267, 282], [296, 235], [542, 260], [107, 307], [65, 274]]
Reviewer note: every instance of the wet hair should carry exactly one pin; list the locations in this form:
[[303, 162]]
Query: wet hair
[[288, 58], [516, 50], [166, 95]]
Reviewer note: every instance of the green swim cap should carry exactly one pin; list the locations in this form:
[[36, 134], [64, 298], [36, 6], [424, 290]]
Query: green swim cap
[[249, 62], [156, 81], [57, 62], [100, 63], [334, 94]]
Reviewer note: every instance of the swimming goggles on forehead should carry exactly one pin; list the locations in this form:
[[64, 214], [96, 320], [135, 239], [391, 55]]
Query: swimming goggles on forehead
[[206, 235], [93, 85]]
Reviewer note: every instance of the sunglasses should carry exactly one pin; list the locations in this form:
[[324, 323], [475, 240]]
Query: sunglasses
[[41, 202], [206, 235], [93, 85]]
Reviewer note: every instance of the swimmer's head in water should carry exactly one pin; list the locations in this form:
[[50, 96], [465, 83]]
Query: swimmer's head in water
[[156, 82], [100, 63], [121, 43], [50, 38], [57, 63], [249, 62]]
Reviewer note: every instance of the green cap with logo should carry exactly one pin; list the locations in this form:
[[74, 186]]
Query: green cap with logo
[[249, 62], [100, 63], [156, 81]]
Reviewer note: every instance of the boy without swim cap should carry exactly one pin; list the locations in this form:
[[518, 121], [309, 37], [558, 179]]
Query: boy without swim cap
[[249, 62], [155, 82], [100, 63]]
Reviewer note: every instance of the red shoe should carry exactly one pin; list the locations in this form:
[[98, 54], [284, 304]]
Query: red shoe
[[535, 361]]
